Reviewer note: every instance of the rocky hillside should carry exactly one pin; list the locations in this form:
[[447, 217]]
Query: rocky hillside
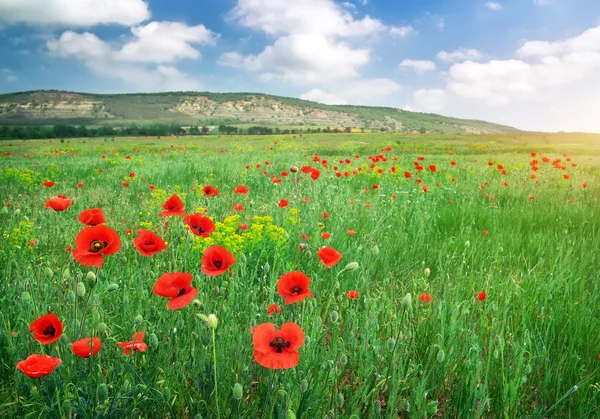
[[191, 108]]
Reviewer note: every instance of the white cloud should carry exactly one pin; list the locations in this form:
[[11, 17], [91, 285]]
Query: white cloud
[[358, 92], [492, 5], [402, 31], [431, 99], [587, 41], [460, 54], [542, 2], [136, 61], [77, 13], [418, 66], [317, 41], [8, 75]]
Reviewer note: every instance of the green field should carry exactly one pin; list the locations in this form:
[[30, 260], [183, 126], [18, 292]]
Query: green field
[[514, 216]]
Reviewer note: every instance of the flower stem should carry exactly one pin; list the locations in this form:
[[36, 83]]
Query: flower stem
[[215, 371]]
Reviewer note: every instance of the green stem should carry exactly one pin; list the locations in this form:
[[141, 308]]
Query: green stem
[[215, 371]]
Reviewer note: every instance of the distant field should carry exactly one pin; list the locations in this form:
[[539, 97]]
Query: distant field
[[468, 284]]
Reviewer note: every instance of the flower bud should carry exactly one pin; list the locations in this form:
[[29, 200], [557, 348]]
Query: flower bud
[[334, 316], [102, 328], [196, 303], [238, 391], [339, 400], [212, 321], [352, 266], [303, 386], [90, 280], [467, 243], [138, 319], [202, 317], [4, 210], [343, 359], [81, 289], [441, 355], [294, 169], [25, 296], [390, 343], [71, 295], [166, 392], [48, 272], [407, 301], [66, 273], [153, 340], [375, 250], [427, 272]]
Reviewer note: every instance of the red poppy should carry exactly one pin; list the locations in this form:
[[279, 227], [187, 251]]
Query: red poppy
[[177, 286], [283, 203], [273, 308], [243, 226], [351, 232], [199, 224], [87, 347], [325, 235], [238, 207], [210, 191], [46, 329], [352, 294], [485, 232], [426, 298], [216, 260], [329, 256], [59, 203], [93, 243], [294, 287], [36, 366], [277, 349], [151, 187], [173, 206], [125, 184], [136, 344], [92, 217], [325, 215], [482, 296], [131, 174], [48, 184], [314, 174], [80, 185], [148, 243], [241, 190], [407, 175], [433, 168]]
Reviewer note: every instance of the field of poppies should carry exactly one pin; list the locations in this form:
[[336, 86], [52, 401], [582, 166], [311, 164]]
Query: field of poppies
[[349, 275]]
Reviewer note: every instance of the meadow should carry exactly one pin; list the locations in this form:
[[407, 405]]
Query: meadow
[[468, 284]]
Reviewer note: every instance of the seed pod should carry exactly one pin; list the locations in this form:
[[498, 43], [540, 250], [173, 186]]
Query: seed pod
[[112, 287], [303, 386], [81, 289], [238, 391]]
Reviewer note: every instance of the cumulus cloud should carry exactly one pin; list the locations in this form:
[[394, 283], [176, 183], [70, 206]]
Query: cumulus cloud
[[359, 92], [141, 60], [492, 5], [321, 96], [418, 66], [460, 54], [431, 99], [315, 40], [76, 13]]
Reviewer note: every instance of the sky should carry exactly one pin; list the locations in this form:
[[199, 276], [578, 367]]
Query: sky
[[531, 64]]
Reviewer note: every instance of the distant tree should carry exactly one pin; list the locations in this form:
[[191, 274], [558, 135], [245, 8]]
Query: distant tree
[[193, 130], [204, 130], [348, 129], [422, 130]]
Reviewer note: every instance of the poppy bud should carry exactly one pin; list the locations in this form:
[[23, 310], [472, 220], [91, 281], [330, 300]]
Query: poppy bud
[[528, 369], [375, 250], [238, 391], [377, 407], [71, 295], [34, 394], [407, 301], [66, 274], [307, 340], [339, 400], [243, 258], [202, 317], [112, 287], [196, 302], [80, 289], [153, 340], [334, 316], [467, 243], [294, 169], [336, 284], [352, 266], [48, 271], [102, 392], [441, 355], [138, 319], [427, 272], [212, 321], [308, 254], [17, 212], [64, 339], [25, 296], [496, 354], [266, 267], [391, 342], [343, 359], [90, 280], [303, 386], [102, 328]]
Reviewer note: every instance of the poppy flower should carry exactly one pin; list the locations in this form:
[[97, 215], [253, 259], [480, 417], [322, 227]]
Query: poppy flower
[[315, 173], [59, 203], [136, 344], [46, 329], [329, 256], [351, 232], [36, 366], [125, 184], [277, 349], [243, 226], [272, 309], [48, 184], [241, 190], [87, 347], [283, 203], [426, 298], [485, 232], [433, 168], [294, 287], [173, 206], [238, 207], [80, 185], [92, 217], [216, 260], [199, 224], [93, 243], [210, 191], [151, 187], [177, 286], [482, 296], [407, 175], [148, 243], [352, 294], [325, 235]]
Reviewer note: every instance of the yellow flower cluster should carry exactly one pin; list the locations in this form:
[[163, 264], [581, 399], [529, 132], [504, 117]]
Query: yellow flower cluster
[[25, 177], [20, 234], [260, 233], [294, 217]]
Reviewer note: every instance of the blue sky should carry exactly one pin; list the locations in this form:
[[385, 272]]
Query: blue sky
[[534, 64]]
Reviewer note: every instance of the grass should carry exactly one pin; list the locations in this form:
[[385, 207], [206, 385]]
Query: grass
[[529, 350]]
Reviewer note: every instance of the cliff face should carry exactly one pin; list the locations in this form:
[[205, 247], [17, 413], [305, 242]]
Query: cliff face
[[51, 107]]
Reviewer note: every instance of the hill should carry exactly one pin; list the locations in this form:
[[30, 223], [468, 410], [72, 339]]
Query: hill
[[47, 107]]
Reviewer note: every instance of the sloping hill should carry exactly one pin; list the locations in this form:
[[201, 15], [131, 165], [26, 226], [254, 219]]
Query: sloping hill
[[45, 107]]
